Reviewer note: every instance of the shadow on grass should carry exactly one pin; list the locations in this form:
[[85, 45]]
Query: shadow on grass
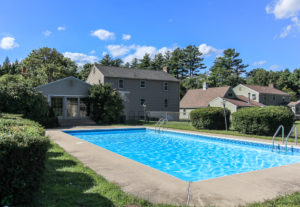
[[62, 187]]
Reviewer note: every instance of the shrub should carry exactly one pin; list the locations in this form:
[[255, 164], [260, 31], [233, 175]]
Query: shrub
[[210, 118], [20, 97], [23, 147], [107, 104], [262, 120]]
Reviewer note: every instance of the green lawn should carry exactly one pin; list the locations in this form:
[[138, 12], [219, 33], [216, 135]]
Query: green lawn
[[188, 126], [67, 182]]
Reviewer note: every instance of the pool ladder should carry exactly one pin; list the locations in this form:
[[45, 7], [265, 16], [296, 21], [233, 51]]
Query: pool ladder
[[286, 139], [160, 123]]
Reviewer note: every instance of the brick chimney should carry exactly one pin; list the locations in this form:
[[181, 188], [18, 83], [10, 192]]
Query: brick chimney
[[24, 71], [205, 86], [271, 85], [166, 69]]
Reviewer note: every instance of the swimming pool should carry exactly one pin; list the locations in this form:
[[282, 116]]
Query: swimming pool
[[189, 157]]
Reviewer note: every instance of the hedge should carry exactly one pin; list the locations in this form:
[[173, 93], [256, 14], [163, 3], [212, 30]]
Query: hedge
[[262, 120], [23, 148], [17, 96], [210, 118]]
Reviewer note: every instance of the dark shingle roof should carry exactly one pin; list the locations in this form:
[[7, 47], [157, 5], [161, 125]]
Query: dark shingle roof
[[117, 72]]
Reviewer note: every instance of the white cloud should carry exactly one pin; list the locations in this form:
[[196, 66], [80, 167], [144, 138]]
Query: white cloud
[[103, 34], [8, 43], [126, 37], [140, 51], [286, 31], [119, 50], [285, 9], [47, 33], [104, 53], [93, 52], [258, 63], [207, 50], [80, 58], [61, 28], [274, 67]]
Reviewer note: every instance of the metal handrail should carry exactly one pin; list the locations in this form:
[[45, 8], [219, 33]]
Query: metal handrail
[[157, 123], [286, 140], [160, 123], [281, 126]]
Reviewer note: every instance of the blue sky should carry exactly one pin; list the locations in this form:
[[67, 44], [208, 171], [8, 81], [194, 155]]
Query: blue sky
[[265, 32]]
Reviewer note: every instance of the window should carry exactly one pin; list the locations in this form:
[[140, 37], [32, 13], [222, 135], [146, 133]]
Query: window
[[274, 98], [166, 103], [165, 86], [142, 101], [121, 83], [142, 84], [184, 112], [230, 94], [84, 107], [253, 96], [283, 99], [57, 105]]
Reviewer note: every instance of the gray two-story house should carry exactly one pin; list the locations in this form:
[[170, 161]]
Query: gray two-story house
[[141, 90]]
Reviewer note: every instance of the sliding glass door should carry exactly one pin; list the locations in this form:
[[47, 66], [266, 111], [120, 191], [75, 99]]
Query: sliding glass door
[[72, 107]]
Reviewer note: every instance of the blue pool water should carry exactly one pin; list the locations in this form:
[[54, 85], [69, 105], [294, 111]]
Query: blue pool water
[[186, 156]]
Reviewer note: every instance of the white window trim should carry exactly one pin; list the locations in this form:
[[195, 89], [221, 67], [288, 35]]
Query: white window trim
[[167, 86], [119, 83], [141, 84]]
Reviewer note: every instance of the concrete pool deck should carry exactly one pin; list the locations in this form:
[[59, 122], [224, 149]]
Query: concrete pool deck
[[158, 187]]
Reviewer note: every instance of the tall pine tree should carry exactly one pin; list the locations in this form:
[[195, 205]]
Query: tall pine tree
[[193, 62]]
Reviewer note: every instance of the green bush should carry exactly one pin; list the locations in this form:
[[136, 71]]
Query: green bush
[[23, 148], [19, 97], [210, 118], [262, 120], [107, 104]]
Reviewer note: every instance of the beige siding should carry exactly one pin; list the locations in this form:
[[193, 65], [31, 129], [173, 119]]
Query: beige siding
[[242, 90], [217, 102], [95, 77], [185, 114], [266, 99]]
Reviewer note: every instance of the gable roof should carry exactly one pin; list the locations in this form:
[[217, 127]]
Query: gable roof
[[197, 98], [133, 73], [265, 89], [63, 79]]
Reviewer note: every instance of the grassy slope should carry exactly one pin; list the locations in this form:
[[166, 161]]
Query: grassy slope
[[67, 182]]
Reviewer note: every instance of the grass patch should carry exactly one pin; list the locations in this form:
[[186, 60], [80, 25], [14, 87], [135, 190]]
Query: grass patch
[[67, 182], [188, 126], [287, 201]]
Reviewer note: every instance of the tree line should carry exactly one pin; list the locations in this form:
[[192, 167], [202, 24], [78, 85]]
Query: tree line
[[45, 65]]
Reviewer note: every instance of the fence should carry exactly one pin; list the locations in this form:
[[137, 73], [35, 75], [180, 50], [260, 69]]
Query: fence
[[156, 115]]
